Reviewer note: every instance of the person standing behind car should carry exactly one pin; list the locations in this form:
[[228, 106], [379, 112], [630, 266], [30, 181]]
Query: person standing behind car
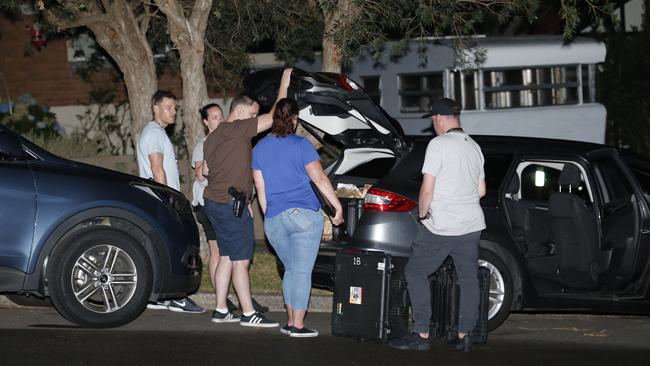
[[227, 153], [452, 220], [157, 161], [212, 115], [283, 164]]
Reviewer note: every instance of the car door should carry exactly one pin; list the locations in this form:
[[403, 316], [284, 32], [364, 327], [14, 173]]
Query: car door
[[624, 222], [17, 204]]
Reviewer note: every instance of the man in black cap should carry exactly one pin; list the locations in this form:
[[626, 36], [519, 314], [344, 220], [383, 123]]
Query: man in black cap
[[452, 220]]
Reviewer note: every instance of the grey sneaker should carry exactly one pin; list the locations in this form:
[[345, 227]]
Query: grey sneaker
[[218, 317], [158, 305], [411, 342], [257, 320], [185, 305]]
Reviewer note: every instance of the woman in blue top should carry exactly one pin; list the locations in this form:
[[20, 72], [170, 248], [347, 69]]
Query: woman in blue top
[[283, 165]]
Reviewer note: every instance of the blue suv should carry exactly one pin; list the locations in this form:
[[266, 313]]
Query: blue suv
[[99, 243]]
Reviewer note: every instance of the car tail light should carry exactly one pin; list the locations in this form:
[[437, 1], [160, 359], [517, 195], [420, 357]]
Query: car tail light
[[380, 200], [347, 84]]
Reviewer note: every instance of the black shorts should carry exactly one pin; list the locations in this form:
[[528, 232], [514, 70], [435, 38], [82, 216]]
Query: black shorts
[[202, 218]]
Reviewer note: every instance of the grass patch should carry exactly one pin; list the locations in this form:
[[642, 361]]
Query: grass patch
[[264, 277]]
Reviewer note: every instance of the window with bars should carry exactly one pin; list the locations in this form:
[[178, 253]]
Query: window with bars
[[531, 87], [464, 88], [418, 91]]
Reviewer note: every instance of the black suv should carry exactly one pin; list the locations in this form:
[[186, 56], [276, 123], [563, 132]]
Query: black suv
[[568, 223], [98, 243]]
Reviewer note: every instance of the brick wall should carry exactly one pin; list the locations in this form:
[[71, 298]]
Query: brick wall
[[47, 75]]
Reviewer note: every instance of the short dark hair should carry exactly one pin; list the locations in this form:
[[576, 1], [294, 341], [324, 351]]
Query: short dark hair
[[285, 111], [242, 99], [160, 95]]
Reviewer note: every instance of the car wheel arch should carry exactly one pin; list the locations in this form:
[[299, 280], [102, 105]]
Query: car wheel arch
[[119, 219]]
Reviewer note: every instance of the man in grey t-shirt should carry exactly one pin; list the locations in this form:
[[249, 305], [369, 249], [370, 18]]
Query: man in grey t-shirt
[[157, 161], [452, 220]]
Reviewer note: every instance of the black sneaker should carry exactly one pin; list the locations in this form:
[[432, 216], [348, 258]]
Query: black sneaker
[[259, 307], [256, 306], [218, 317], [185, 305], [257, 320], [411, 342], [286, 329], [464, 344], [303, 332], [231, 306]]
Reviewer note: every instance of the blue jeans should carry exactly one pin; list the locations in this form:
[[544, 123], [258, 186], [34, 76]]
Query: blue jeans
[[295, 235]]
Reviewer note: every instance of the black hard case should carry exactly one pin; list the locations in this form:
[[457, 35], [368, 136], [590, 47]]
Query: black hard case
[[445, 296], [370, 300]]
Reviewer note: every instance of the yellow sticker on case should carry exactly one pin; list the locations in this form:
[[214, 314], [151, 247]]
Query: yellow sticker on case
[[356, 295]]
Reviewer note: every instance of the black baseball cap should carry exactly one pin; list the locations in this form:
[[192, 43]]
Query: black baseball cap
[[444, 107]]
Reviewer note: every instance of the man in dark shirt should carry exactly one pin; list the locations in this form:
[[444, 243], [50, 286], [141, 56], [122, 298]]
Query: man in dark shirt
[[227, 153]]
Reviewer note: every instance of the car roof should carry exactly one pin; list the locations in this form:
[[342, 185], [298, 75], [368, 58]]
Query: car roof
[[528, 145]]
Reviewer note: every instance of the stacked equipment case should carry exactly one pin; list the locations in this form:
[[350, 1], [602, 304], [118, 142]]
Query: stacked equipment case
[[445, 297], [370, 300]]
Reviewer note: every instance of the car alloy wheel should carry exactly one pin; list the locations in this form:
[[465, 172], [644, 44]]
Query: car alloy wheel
[[497, 288], [104, 278], [99, 277]]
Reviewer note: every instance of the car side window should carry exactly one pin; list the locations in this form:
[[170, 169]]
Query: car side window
[[495, 168], [644, 180], [10, 148], [612, 179], [540, 180]]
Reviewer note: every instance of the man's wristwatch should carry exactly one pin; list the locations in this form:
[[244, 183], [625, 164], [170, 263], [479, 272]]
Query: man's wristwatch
[[422, 218]]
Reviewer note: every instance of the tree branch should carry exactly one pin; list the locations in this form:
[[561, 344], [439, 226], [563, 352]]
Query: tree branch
[[77, 21], [173, 12], [200, 14]]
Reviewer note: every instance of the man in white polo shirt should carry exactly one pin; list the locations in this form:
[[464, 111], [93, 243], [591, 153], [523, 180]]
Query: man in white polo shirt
[[452, 220], [157, 161]]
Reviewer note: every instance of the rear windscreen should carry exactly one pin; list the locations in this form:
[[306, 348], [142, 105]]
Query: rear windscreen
[[374, 169]]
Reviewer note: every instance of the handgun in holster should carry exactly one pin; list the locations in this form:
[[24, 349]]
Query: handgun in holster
[[239, 201]]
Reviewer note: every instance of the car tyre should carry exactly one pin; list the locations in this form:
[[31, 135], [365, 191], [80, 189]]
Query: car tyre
[[99, 277], [501, 288]]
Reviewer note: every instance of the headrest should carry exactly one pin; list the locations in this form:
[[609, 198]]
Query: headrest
[[570, 175], [513, 186]]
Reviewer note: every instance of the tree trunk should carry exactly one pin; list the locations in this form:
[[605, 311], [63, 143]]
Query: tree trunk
[[123, 39], [195, 95], [331, 52], [188, 36], [344, 13], [331, 57]]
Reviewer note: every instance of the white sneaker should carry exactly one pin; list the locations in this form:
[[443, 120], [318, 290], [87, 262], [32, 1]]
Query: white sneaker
[[158, 305]]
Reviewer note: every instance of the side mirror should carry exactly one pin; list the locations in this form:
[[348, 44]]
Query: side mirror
[[10, 146]]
